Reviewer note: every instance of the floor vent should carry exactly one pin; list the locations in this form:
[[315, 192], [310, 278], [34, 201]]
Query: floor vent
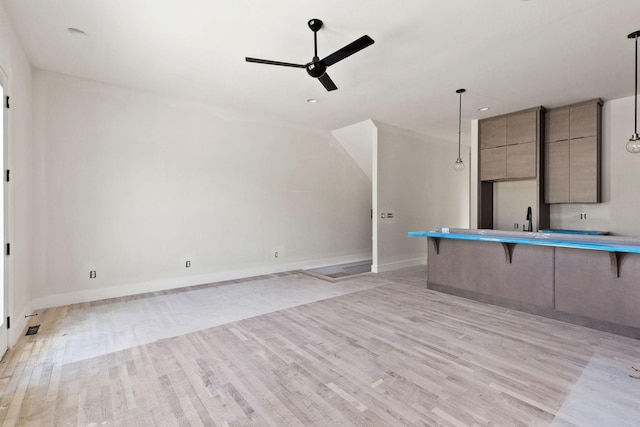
[[33, 330], [335, 273]]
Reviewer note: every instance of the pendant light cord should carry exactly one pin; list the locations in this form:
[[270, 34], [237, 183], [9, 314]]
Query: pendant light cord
[[460, 119], [635, 126]]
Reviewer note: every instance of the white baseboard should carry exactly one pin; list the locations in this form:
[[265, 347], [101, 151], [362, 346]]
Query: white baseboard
[[401, 264], [76, 297]]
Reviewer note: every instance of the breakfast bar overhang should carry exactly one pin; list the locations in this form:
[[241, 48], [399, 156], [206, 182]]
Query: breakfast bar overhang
[[589, 280]]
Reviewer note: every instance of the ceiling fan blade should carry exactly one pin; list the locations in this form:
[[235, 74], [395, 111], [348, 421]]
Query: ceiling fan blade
[[348, 50], [266, 61], [326, 81]]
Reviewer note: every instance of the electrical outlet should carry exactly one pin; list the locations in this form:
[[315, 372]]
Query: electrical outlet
[[187, 264], [275, 254], [516, 226], [92, 274], [383, 215]]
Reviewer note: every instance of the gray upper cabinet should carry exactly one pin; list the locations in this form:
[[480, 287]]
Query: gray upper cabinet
[[556, 183], [584, 119], [557, 124], [584, 170], [572, 153], [522, 128], [493, 142], [493, 163], [521, 161], [494, 132], [510, 149], [509, 145]]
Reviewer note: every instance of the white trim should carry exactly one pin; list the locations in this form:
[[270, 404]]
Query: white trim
[[5, 204], [60, 299], [374, 205]]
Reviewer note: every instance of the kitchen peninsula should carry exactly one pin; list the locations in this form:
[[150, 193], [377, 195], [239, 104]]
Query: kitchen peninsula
[[587, 280]]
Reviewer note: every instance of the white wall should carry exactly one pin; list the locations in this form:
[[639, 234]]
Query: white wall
[[510, 202], [16, 66], [416, 182], [132, 185], [623, 185]]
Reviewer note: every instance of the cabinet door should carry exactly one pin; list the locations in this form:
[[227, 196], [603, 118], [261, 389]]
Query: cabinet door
[[557, 124], [584, 170], [493, 164], [522, 128], [556, 175], [493, 132], [584, 120], [521, 160]]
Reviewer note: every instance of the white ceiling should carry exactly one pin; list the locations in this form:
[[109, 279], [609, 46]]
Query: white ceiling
[[508, 54]]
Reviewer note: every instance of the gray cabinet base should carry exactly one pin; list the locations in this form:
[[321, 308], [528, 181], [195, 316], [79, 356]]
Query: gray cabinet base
[[571, 285], [589, 322]]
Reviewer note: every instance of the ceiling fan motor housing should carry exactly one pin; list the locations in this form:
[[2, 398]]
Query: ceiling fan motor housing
[[316, 68]]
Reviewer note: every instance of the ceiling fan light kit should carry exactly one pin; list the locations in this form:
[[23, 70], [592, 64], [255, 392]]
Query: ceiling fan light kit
[[317, 68]]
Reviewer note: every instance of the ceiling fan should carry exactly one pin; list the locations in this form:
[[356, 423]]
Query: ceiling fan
[[317, 68]]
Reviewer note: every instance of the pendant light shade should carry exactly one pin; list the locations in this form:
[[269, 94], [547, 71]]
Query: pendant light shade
[[458, 166], [633, 146]]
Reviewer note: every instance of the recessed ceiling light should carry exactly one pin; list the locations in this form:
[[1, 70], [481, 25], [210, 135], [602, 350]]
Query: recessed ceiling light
[[76, 32], [312, 100], [483, 109]]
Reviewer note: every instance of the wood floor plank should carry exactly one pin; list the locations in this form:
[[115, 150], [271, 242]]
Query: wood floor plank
[[383, 351]]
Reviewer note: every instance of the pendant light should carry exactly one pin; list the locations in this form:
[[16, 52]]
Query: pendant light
[[633, 146], [458, 166]]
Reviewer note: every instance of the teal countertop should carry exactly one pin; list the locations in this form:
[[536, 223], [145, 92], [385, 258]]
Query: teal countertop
[[585, 232], [578, 241]]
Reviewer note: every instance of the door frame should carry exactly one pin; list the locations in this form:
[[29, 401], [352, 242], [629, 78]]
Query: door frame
[[4, 228]]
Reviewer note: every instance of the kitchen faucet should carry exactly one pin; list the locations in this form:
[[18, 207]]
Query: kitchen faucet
[[529, 218]]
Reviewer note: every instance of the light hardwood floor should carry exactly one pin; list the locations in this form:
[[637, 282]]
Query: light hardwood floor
[[382, 351]]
